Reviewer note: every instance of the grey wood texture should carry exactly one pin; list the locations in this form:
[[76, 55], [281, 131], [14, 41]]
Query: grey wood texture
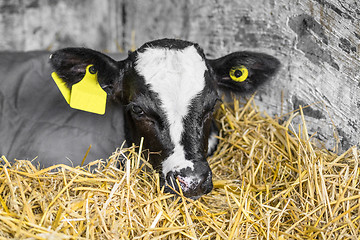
[[317, 41]]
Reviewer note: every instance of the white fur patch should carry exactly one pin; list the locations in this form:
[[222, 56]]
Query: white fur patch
[[177, 76]]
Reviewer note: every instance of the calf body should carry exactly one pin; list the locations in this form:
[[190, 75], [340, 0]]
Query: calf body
[[166, 91], [37, 124]]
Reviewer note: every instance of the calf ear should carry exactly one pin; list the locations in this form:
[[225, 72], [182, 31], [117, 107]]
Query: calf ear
[[70, 65], [244, 71]]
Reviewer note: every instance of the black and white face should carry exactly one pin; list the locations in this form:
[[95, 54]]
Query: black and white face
[[171, 106], [169, 90]]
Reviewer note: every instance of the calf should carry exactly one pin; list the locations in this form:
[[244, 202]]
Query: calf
[[169, 90], [166, 92]]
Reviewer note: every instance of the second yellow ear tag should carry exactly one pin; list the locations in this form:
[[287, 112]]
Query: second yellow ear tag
[[239, 73], [86, 95]]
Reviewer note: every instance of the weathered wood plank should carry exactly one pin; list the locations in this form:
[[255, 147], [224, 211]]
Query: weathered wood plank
[[318, 42], [51, 24]]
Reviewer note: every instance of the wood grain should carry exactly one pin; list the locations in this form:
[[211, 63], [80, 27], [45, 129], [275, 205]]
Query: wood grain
[[317, 41]]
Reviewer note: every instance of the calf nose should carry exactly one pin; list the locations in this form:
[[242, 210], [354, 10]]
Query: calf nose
[[192, 185]]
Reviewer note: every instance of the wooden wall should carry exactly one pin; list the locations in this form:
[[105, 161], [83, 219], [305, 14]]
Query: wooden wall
[[317, 41]]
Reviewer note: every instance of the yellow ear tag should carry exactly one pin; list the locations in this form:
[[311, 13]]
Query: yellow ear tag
[[239, 74], [62, 86], [86, 95]]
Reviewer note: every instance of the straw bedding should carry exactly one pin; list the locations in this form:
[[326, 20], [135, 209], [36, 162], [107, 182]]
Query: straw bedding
[[270, 182]]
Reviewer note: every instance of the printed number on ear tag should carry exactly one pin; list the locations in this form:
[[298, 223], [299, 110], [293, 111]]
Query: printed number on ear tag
[[86, 95], [239, 73]]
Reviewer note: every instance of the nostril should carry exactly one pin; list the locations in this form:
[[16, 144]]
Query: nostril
[[171, 178], [181, 181]]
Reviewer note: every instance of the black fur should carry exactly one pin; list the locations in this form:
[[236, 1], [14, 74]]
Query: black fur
[[171, 44]]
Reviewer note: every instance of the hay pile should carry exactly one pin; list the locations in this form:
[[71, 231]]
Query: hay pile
[[270, 182]]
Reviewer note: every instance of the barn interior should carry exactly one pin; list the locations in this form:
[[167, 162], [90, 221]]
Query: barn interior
[[287, 163]]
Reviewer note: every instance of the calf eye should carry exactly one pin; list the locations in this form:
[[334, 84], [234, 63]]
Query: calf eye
[[137, 110]]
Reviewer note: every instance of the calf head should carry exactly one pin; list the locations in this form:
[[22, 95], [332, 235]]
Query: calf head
[[169, 91]]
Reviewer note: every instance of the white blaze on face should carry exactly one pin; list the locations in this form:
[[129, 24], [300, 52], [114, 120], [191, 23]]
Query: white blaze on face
[[177, 76]]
